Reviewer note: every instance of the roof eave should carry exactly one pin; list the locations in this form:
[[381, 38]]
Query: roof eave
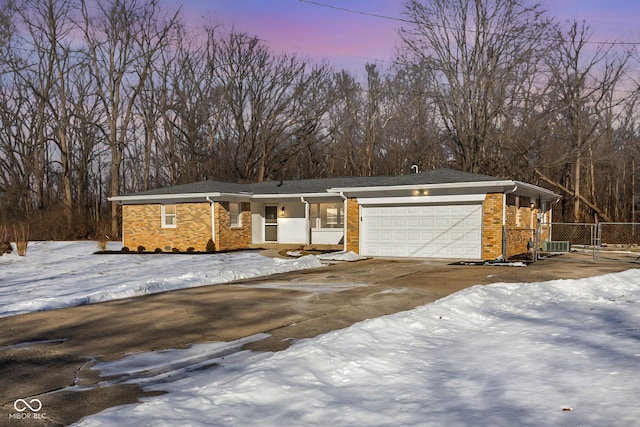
[[542, 193], [448, 185], [499, 185], [293, 195], [158, 198]]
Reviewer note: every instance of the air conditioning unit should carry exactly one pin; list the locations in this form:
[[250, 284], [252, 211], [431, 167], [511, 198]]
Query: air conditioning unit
[[556, 246]]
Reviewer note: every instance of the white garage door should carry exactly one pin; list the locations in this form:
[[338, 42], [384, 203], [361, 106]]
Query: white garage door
[[430, 231]]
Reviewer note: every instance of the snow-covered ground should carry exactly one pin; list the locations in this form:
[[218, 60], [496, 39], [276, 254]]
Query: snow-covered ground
[[560, 353], [64, 274]]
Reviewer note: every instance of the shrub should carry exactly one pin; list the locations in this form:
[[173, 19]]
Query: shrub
[[211, 246], [175, 250], [102, 245], [191, 249], [22, 247], [157, 250], [125, 249], [21, 233], [141, 249], [5, 248]]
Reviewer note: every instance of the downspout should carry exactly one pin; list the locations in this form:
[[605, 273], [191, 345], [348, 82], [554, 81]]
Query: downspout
[[550, 210], [306, 217], [121, 225], [213, 219], [504, 221], [344, 239]]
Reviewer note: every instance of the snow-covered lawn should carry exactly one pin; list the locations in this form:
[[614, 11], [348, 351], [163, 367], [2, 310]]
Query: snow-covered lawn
[[64, 274], [560, 353]]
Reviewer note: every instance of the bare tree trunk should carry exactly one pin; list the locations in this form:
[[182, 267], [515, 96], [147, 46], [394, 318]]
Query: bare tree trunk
[[124, 38], [472, 51], [568, 191]]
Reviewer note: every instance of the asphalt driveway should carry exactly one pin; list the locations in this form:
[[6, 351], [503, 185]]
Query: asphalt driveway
[[48, 355]]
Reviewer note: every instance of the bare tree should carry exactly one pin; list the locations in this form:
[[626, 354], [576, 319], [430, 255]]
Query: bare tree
[[190, 110], [18, 152], [586, 105], [50, 25], [123, 39], [471, 51], [411, 134], [262, 95]]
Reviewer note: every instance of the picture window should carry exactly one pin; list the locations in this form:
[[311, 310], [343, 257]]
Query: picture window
[[327, 215]]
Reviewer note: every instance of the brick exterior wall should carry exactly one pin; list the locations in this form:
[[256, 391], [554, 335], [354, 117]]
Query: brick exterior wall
[[227, 237], [353, 225], [142, 226], [520, 231], [492, 226], [521, 223]]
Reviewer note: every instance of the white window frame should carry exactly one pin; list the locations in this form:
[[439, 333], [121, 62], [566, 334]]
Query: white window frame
[[169, 220], [237, 216], [317, 209]]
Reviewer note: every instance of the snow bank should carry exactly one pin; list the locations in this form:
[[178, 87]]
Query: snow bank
[[341, 256], [560, 353], [63, 274]]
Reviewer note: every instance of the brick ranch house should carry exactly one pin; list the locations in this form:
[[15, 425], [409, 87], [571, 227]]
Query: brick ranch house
[[441, 213]]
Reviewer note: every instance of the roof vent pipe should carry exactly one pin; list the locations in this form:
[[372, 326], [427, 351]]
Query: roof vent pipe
[[416, 168]]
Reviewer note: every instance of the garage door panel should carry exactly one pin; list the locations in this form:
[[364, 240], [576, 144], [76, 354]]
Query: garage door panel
[[442, 231]]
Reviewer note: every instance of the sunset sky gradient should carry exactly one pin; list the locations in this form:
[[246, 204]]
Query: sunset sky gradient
[[349, 40]]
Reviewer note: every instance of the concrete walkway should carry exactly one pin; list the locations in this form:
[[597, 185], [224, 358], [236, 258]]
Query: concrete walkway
[[62, 344]]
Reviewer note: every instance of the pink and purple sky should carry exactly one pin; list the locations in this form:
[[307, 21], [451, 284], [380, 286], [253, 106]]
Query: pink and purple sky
[[349, 40]]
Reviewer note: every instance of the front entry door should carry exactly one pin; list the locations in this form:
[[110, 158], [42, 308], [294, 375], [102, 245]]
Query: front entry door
[[271, 223]]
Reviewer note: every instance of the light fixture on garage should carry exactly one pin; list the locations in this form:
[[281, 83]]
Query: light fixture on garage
[[282, 211]]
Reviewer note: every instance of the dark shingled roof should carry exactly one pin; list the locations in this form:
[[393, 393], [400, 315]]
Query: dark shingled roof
[[438, 176], [320, 185], [197, 187]]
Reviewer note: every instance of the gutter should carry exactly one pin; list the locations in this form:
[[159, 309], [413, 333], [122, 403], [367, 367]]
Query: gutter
[[306, 217], [344, 203], [504, 204], [473, 184], [152, 197], [213, 218], [480, 185]]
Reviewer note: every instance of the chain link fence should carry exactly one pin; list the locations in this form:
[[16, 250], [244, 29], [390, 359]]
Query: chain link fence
[[607, 240], [579, 234], [619, 234], [604, 241]]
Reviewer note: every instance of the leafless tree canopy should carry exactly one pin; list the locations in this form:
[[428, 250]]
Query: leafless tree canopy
[[110, 97]]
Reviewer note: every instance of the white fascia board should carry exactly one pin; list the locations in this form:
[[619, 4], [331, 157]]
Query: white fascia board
[[506, 186], [450, 185], [158, 198], [543, 193], [454, 198], [149, 197], [294, 196]]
